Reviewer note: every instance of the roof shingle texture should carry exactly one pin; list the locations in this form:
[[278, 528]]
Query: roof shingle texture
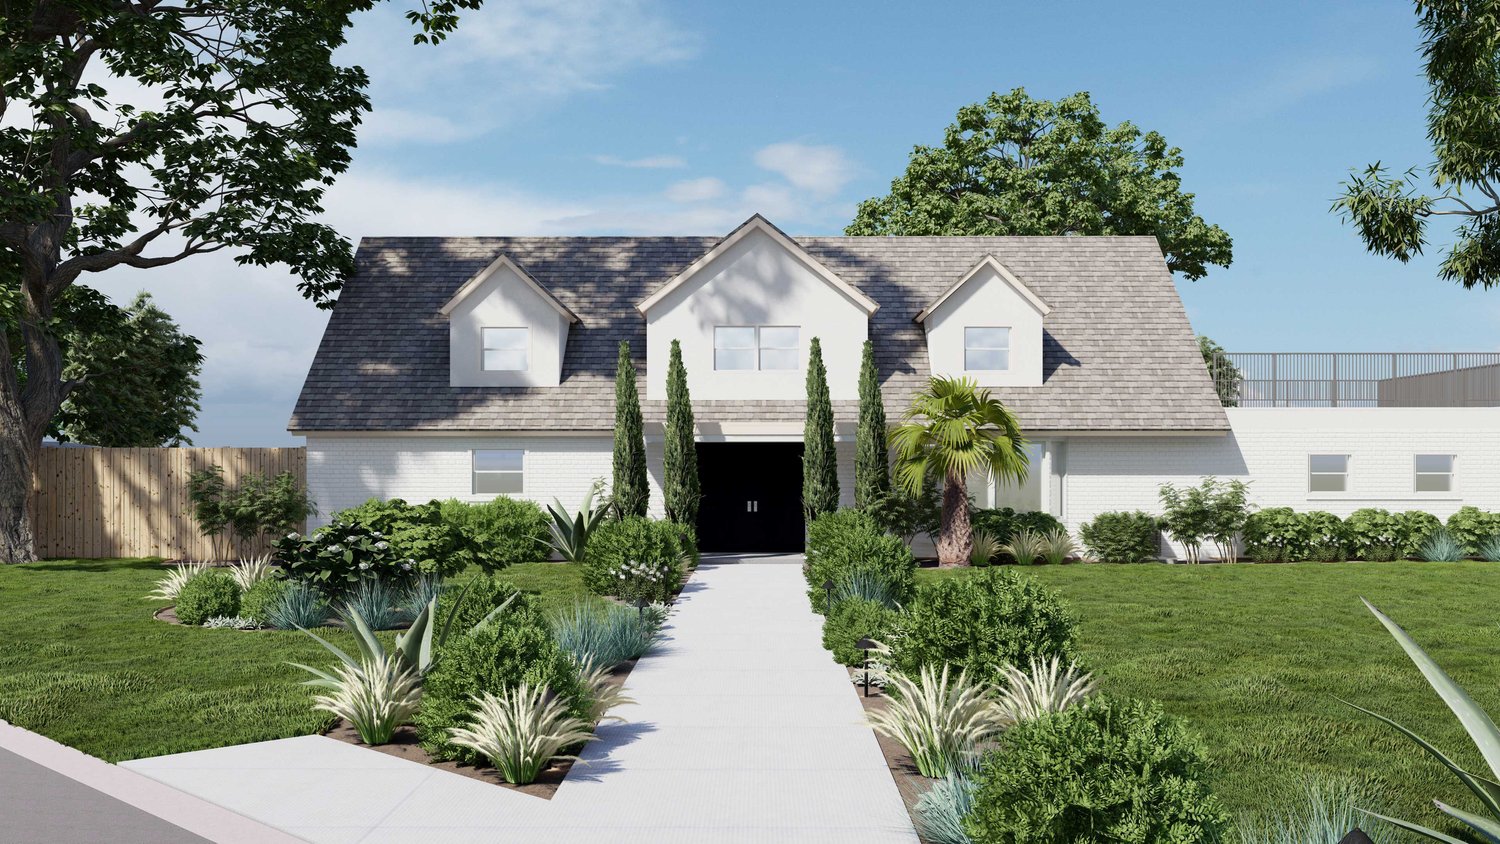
[[1119, 353]]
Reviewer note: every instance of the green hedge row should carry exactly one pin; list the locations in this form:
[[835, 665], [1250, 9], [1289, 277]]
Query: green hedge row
[[1280, 534]]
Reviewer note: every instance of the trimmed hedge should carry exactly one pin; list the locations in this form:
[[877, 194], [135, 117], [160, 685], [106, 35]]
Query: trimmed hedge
[[504, 531], [1282, 535], [206, 595], [847, 541], [853, 619], [1122, 537]]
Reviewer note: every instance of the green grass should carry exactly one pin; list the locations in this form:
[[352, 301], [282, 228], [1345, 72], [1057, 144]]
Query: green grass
[[83, 662], [1253, 656]]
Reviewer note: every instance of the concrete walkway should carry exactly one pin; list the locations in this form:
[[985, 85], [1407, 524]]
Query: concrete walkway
[[745, 730]]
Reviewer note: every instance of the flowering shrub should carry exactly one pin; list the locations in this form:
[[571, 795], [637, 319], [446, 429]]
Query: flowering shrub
[[637, 548], [1327, 537], [1277, 535], [1471, 526], [645, 581], [1374, 534]]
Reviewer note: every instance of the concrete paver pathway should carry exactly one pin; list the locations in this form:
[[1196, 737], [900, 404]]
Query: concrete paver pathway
[[744, 730]]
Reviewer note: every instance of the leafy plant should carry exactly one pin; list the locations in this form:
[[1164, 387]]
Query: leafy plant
[[1471, 526], [1489, 550], [392, 540], [1327, 537], [205, 491], [847, 541], [422, 592], [1442, 547], [1326, 813], [1046, 687], [603, 634], [380, 605], [1117, 771], [1416, 528], [375, 695], [644, 582], [254, 510], [902, 514], [170, 585], [865, 585], [1025, 546], [601, 692], [206, 595], [1122, 537], [635, 559], [1374, 535], [1057, 547], [247, 573], [1277, 535], [852, 620], [256, 602], [1188, 515], [1002, 522], [941, 720], [985, 548], [230, 622], [570, 532], [520, 731], [299, 605], [940, 811], [503, 531]]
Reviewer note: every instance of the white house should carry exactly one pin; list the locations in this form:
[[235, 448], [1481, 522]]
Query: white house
[[475, 367]]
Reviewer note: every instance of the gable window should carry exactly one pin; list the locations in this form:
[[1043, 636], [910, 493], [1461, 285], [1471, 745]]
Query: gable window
[[986, 348], [752, 347], [497, 471], [1434, 472], [1328, 473], [506, 349]]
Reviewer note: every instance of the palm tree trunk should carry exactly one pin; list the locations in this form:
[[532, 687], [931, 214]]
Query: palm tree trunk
[[956, 539]]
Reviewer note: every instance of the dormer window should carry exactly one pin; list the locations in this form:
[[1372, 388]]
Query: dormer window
[[506, 349], [986, 348], [755, 347]]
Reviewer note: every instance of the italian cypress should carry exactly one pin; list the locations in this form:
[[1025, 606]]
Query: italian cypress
[[630, 493], [872, 466], [820, 462], [680, 485]]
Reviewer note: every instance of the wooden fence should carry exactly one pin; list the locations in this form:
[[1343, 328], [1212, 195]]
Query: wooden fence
[[133, 502]]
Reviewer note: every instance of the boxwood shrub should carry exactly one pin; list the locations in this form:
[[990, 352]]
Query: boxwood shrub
[[1002, 523], [256, 602], [981, 623], [1117, 771], [1122, 537], [206, 595], [853, 619], [634, 539], [1374, 535], [504, 531], [844, 542]]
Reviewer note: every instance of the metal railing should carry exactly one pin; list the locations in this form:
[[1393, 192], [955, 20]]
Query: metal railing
[[1357, 379]]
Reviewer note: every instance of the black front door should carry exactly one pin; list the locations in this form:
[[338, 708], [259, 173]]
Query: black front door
[[752, 496]]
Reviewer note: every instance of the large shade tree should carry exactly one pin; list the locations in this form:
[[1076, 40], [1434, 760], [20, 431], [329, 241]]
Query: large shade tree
[[954, 430], [251, 119], [1012, 165], [1461, 44]]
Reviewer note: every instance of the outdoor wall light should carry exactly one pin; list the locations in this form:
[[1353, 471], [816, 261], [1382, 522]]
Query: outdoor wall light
[[865, 645]]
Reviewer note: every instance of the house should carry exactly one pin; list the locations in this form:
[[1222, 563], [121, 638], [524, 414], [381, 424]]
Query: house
[[484, 366]]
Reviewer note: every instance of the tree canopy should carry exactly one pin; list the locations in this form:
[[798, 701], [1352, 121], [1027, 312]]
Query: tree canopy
[[1013, 165], [1461, 44]]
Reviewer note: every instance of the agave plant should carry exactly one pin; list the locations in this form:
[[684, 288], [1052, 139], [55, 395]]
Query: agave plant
[[984, 549], [1048, 686], [941, 720], [940, 810], [570, 533], [1025, 546], [1441, 547], [1475, 721], [603, 695], [520, 731], [169, 585], [1489, 550], [864, 583], [247, 573], [380, 606], [1058, 546], [604, 635], [375, 696]]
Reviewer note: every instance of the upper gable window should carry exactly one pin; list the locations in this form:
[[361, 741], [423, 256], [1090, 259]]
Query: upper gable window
[[506, 349], [986, 349], [752, 347]]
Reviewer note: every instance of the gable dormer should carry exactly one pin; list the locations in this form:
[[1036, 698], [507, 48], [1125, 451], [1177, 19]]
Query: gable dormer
[[987, 326], [506, 330]]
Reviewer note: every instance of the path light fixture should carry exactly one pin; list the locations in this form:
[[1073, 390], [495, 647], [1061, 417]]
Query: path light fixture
[[827, 596], [1356, 836], [865, 645]]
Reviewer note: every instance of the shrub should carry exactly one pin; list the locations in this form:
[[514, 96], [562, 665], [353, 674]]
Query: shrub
[[1441, 547], [852, 620], [206, 595], [899, 513], [1327, 537], [520, 731], [981, 623], [469, 604], [1471, 526], [257, 601], [621, 546], [941, 720], [1374, 535], [603, 635], [391, 540], [1002, 522], [941, 809], [1416, 527], [375, 698], [379, 604], [1277, 535], [1122, 537], [844, 542], [1104, 771], [299, 605], [1188, 515], [504, 531], [494, 658]]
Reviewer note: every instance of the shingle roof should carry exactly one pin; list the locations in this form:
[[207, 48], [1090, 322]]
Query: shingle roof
[[1119, 354]]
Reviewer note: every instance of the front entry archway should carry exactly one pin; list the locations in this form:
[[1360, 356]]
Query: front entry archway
[[752, 496]]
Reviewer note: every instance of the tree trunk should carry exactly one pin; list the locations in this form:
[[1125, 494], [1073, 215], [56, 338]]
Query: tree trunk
[[17, 457], [956, 539]]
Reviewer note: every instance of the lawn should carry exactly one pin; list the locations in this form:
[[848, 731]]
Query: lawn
[[1253, 656], [84, 662]]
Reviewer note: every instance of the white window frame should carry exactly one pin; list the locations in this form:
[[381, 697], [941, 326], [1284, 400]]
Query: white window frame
[[525, 347], [1344, 488], [1417, 474], [1006, 348], [475, 471], [759, 348]]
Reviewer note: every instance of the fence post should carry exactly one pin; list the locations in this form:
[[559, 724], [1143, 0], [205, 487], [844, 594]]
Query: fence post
[[1333, 381]]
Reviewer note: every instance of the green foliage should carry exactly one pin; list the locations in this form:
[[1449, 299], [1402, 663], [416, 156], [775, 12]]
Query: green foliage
[[520, 731], [258, 508], [391, 540], [1213, 510], [376, 696], [1118, 771], [1002, 523], [980, 624], [1012, 165], [377, 602], [847, 542], [853, 619], [629, 494], [1277, 535], [206, 595], [905, 515], [257, 601], [1326, 812], [461, 609], [569, 533], [985, 548], [1442, 547], [1327, 537], [1122, 537], [1489, 550], [1025, 546], [299, 605], [820, 461], [634, 555], [1417, 527], [503, 531], [681, 488], [1374, 534], [604, 634], [939, 812], [864, 584], [493, 658], [1226, 376], [1471, 526], [872, 461], [206, 489]]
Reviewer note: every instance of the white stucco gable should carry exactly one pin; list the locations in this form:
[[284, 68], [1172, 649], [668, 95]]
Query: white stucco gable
[[760, 292], [505, 330], [986, 318]]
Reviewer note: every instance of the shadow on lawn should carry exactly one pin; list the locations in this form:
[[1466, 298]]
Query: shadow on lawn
[[94, 565]]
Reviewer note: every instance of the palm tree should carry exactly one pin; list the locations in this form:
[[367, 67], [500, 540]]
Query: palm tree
[[954, 429]]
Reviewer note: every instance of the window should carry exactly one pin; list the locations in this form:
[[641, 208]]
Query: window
[[497, 471], [1434, 472], [505, 349], [750, 347], [986, 349], [1328, 473]]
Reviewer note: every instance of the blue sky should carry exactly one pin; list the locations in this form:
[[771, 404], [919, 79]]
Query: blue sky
[[632, 116]]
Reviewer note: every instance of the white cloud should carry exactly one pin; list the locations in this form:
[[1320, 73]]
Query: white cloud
[[1295, 80], [823, 170], [392, 125], [650, 162], [695, 190]]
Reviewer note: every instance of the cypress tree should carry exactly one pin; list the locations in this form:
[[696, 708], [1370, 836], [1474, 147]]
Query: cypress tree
[[680, 486], [872, 467], [630, 493], [820, 466]]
